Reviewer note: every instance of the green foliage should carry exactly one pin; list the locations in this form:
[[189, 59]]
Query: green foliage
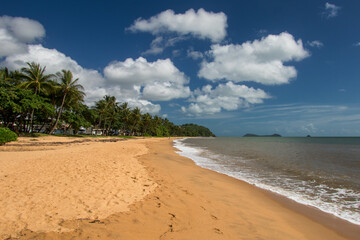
[[6, 135], [69, 91], [75, 120], [31, 101], [193, 130], [16, 105]]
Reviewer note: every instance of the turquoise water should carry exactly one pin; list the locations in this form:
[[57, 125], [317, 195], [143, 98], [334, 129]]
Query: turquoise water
[[323, 172]]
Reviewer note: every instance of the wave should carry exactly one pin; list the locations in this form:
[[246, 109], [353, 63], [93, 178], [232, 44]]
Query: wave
[[303, 192]]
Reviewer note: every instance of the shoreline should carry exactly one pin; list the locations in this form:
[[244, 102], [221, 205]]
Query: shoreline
[[190, 202], [341, 226], [182, 150]]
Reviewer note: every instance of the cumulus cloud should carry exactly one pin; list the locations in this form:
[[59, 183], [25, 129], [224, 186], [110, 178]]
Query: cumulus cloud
[[227, 96], [144, 105], [357, 44], [16, 32], [160, 80], [260, 61], [135, 81], [55, 61], [200, 24], [96, 86], [315, 43], [331, 10]]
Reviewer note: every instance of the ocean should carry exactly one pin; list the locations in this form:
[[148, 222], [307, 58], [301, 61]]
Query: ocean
[[323, 172]]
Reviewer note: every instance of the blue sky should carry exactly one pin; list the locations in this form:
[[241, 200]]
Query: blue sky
[[290, 67]]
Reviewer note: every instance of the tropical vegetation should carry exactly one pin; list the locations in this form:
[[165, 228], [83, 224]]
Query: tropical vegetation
[[6, 135], [32, 101]]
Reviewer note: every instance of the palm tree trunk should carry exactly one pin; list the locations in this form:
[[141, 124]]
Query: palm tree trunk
[[42, 126], [109, 127], [99, 124], [32, 115], [104, 127], [31, 120], [132, 128], [59, 114]]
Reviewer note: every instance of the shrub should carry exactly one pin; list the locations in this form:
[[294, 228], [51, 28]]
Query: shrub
[[6, 135]]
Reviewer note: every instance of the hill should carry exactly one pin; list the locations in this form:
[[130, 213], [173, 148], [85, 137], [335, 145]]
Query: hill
[[193, 130]]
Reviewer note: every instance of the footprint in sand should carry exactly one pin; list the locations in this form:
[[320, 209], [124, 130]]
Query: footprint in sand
[[172, 216], [218, 231]]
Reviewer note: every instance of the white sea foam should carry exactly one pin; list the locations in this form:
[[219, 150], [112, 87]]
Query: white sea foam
[[298, 191]]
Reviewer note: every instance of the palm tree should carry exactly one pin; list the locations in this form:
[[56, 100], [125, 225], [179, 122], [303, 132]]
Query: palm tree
[[125, 115], [4, 75], [135, 118], [107, 109], [110, 113], [9, 77], [146, 121], [100, 107], [34, 77], [70, 90]]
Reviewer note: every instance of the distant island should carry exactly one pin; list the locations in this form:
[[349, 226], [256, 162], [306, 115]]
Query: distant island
[[255, 135]]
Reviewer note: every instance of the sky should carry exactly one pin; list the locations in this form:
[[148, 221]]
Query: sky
[[287, 66]]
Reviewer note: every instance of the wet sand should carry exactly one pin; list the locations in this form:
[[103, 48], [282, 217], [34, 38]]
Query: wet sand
[[141, 189]]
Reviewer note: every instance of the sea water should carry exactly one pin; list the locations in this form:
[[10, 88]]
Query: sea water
[[322, 172]]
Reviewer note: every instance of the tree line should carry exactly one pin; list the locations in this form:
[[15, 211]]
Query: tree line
[[33, 101]]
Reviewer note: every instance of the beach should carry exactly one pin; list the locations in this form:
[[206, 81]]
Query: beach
[[111, 188]]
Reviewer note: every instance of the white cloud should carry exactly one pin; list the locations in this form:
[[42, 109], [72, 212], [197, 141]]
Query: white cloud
[[201, 24], [227, 96], [315, 43], [144, 105], [9, 45], [96, 86], [259, 61], [159, 44], [194, 54], [55, 61], [156, 46], [331, 10], [161, 80], [15, 32], [357, 44], [23, 29]]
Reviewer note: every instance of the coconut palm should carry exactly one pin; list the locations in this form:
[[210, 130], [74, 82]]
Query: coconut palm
[[9, 77], [146, 121], [135, 118], [106, 108], [4, 75], [34, 77], [110, 113], [70, 91], [125, 115]]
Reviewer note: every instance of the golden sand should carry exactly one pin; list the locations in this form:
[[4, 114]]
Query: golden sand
[[50, 181], [139, 189]]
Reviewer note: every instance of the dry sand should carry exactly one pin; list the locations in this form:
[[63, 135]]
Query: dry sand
[[140, 189], [47, 181]]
